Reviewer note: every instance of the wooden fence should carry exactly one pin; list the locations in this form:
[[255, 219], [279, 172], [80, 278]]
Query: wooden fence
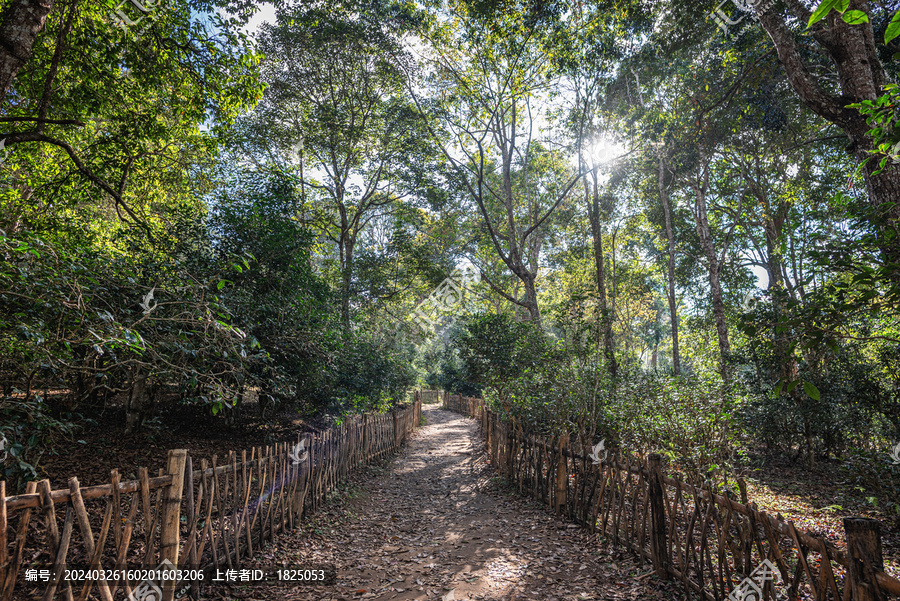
[[468, 406], [200, 518], [429, 397], [718, 548]]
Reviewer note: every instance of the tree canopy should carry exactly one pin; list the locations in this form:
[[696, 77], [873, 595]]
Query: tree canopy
[[683, 206]]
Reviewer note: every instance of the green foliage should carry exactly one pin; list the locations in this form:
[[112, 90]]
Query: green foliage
[[124, 112], [882, 116], [28, 432], [496, 351], [688, 419], [445, 371], [871, 473], [368, 374], [71, 316]]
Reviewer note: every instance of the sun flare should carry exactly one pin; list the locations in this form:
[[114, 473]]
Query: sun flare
[[604, 150]]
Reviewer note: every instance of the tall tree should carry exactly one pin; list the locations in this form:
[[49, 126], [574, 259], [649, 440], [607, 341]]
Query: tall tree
[[856, 67], [336, 94], [109, 112], [670, 261], [492, 73]]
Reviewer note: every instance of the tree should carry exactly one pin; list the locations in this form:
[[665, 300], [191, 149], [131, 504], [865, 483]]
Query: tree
[[106, 112], [670, 262], [860, 75], [491, 75], [22, 22], [336, 98]]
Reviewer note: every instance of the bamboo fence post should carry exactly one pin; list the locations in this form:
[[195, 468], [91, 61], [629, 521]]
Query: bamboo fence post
[[864, 556], [125, 541], [235, 506], [562, 478], [396, 432], [171, 516], [49, 516], [283, 459], [117, 507], [3, 543], [60, 560], [365, 438], [189, 486], [247, 476], [84, 524], [102, 585], [146, 508], [271, 470], [658, 547], [209, 490]]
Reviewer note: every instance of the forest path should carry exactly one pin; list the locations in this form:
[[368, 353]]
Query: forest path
[[436, 525]]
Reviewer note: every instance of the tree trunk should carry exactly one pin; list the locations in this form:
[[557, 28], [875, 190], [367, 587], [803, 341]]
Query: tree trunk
[[606, 319], [531, 303], [346, 279], [884, 193], [714, 268], [670, 243], [137, 401], [715, 287], [860, 76], [22, 24]]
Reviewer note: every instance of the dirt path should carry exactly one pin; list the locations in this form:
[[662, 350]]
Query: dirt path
[[436, 525]]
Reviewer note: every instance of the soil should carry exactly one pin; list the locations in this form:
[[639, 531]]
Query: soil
[[100, 447], [436, 524]]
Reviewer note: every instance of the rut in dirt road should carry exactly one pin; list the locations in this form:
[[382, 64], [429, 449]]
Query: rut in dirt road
[[436, 525]]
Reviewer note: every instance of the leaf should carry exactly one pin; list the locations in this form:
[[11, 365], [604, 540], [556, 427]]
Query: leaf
[[778, 388], [855, 17], [792, 386], [221, 284], [893, 28], [820, 13], [811, 391]]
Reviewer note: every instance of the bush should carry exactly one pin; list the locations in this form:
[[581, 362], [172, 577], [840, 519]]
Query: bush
[[687, 419], [534, 380], [446, 371], [27, 432]]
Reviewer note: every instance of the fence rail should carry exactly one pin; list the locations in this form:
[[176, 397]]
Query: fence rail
[[430, 397], [203, 518], [718, 548]]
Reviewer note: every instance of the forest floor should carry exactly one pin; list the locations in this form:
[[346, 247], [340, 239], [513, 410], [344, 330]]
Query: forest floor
[[436, 524], [102, 445]]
